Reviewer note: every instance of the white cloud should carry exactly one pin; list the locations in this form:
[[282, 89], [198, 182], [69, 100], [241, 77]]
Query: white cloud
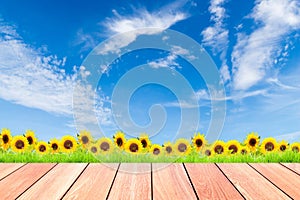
[[181, 105], [170, 60], [277, 82], [216, 36], [31, 79], [182, 52], [158, 20], [219, 96], [167, 62], [288, 136], [254, 54], [85, 40]]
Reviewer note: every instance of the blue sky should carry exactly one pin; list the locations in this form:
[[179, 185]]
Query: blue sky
[[255, 46]]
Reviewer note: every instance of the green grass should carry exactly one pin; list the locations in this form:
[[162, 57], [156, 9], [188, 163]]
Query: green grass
[[84, 156]]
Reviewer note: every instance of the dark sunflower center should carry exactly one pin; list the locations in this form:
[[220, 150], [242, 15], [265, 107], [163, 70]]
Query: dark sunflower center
[[30, 140], [54, 146], [119, 142], [133, 147], [269, 146], [85, 139], [199, 142], [5, 139], [169, 149], [42, 148], [144, 143], [156, 151], [233, 149], [243, 151], [19, 144], [68, 144], [252, 142], [94, 149], [182, 147], [207, 152], [282, 147], [295, 149], [219, 149], [104, 146]]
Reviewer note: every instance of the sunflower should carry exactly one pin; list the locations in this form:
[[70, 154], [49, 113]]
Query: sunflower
[[5, 138], [54, 145], [94, 148], [84, 138], [268, 145], [133, 146], [252, 141], [146, 143], [156, 149], [219, 147], [105, 145], [68, 144], [168, 148], [233, 146], [198, 141], [295, 147], [207, 152], [283, 145], [19, 144], [42, 147], [119, 139], [30, 136], [244, 150], [182, 147]]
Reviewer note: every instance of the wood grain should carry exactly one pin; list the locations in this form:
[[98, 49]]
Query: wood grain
[[250, 183], [133, 181], [282, 177], [16, 183], [210, 183], [293, 166], [170, 181], [94, 183], [55, 183], [7, 168]]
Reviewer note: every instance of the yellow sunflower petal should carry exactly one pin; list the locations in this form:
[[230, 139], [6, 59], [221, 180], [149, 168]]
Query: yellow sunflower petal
[[68, 144], [5, 138], [19, 144], [133, 146], [268, 145]]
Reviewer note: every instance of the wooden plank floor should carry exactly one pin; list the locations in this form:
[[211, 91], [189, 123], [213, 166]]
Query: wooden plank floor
[[149, 181]]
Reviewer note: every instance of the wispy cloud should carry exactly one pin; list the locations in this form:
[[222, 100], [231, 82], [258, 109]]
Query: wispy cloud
[[87, 41], [36, 81], [170, 60], [158, 20], [238, 96], [291, 137], [31, 79], [167, 62], [216, 35], [254, 54]]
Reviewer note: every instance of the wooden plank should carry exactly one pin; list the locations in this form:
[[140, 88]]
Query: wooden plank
[[55, 183], [94, 182], [170, 181], [16, 183], [293, 166], [133, 181], [210, 183], [250, 183], [7, 168], [282, 177]]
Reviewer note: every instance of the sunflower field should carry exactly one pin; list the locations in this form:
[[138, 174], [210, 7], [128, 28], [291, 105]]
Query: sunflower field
[[85, 148]]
